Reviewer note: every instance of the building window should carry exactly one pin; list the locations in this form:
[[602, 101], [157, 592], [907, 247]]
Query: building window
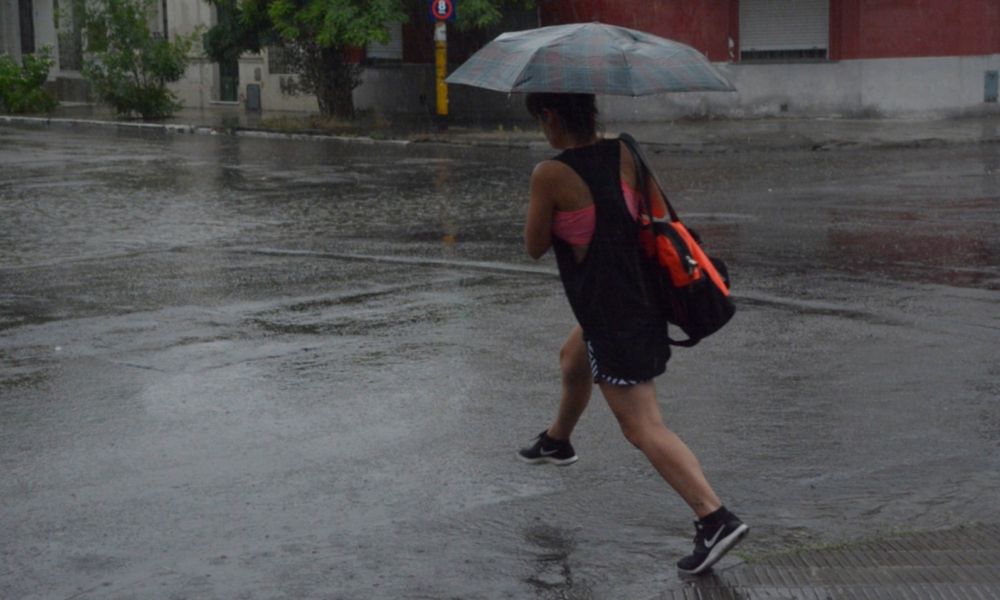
[[26, 20], [784, 30], [392, 50], [282, 60], [163, 15], [158, 21], [69, 26]]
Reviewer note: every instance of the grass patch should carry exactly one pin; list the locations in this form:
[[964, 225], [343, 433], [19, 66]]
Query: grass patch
[[365, 123]]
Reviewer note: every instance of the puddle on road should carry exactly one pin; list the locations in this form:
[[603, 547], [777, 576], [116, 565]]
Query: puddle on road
[[552, 548], [945, 257]]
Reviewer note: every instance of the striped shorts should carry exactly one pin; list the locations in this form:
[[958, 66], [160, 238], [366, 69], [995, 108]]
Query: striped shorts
[[602, 377]]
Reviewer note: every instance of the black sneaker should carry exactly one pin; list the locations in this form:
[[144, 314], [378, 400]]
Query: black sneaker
[[547, 450], [711, 542]]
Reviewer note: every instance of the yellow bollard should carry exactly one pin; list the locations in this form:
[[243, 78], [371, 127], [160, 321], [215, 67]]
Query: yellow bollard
[[441, 66]]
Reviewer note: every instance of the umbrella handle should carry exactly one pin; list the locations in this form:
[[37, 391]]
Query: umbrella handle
[[642, 171]]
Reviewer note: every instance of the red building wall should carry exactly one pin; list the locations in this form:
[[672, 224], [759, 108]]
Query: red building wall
[[705, 26], [911, 28], [858, 28]]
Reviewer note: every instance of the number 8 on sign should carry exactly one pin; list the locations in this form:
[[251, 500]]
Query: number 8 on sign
[[443, 10]]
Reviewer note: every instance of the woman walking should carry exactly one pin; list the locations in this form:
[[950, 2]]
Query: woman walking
[[584, 206]]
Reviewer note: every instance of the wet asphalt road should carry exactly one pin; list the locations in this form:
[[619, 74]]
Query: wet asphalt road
[[257, 368]]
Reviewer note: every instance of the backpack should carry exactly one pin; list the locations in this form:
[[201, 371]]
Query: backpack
[[693, 287]]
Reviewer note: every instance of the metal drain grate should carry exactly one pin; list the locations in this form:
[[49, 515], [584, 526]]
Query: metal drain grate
[[961, 563]]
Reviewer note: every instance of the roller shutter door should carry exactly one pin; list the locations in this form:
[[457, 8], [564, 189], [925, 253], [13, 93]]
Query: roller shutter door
[[784, 29], [391, 50]]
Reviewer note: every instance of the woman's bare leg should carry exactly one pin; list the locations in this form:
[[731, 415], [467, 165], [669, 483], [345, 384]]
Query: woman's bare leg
[[639, 416], [577, 384]]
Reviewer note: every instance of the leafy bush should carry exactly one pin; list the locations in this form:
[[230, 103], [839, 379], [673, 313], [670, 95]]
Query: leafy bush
[[22, 86], [127, 66]]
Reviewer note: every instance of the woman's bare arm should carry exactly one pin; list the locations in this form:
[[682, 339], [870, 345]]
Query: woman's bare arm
[[538, 225]]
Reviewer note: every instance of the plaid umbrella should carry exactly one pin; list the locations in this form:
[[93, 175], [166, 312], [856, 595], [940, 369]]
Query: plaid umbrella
[[589, 58]]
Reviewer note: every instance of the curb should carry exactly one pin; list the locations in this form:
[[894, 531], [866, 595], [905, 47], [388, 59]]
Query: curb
[[181, 128], [748, 144]]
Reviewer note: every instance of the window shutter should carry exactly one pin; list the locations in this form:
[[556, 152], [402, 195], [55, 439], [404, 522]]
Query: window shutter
[[775, 26], [393, 49]]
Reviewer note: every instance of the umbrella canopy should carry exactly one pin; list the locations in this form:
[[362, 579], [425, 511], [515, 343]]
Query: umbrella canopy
[[589, 58]]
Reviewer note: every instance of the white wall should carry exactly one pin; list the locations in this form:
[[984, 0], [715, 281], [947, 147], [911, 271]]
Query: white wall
[[45, 26], [253, 70], [927, 85], [199, 86], [10, 41], [944, 86], [186, 16]]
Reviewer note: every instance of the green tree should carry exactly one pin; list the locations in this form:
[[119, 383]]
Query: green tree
[[317, 35], [22, 85], [128, 67]]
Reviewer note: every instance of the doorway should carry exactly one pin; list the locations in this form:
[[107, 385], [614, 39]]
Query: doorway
[[229, 68]]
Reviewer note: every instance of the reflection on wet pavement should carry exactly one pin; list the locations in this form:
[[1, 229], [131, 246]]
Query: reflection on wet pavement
[[552, 548]]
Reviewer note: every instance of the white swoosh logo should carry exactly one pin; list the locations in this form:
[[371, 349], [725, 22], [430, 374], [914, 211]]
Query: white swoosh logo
[[715, 538], [549, 452]]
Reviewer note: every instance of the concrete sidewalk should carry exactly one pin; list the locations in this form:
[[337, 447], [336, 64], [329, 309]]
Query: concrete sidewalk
[[727, 135], [773, 134]]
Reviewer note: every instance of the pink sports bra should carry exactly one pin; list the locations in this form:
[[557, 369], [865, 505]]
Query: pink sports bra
[[576, 227]]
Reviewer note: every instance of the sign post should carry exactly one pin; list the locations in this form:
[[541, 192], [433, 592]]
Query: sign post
[[442, 11], [441, 66]]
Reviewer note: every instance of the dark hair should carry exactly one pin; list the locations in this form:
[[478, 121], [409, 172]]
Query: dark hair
[[578, 112]]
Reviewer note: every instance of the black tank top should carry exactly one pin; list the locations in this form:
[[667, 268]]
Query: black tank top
[[609, 290]]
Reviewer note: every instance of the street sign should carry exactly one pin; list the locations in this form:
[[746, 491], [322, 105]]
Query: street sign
[[443, 10]]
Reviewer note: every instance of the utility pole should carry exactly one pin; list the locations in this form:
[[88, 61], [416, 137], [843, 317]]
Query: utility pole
[[442, 11]]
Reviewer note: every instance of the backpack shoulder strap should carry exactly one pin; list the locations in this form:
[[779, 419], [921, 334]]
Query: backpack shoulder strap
[[644, 173]]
